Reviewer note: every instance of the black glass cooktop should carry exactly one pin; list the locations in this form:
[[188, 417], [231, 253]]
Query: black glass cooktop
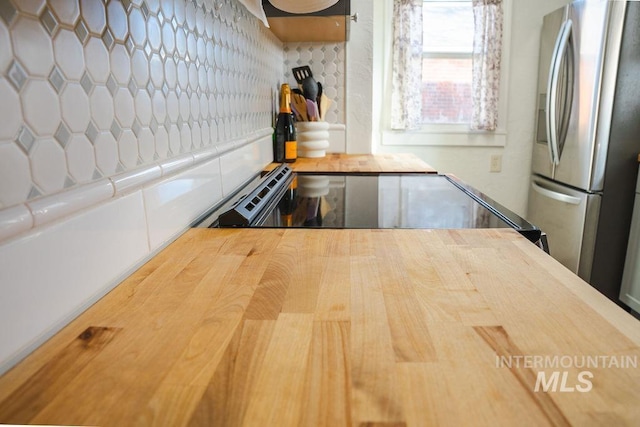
[[385, 201], [371, 201]]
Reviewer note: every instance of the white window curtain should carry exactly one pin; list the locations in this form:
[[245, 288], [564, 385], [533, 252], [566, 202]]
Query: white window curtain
[[406, 98], [487, 53]]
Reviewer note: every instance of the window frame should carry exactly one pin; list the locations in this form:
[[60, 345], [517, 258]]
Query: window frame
[[439, 134]]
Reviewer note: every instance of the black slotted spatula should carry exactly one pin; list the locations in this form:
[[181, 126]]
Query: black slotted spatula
[[301, 73]]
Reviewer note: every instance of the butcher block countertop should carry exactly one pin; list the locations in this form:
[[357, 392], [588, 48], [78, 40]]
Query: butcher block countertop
[[362, 163], [273, 327]]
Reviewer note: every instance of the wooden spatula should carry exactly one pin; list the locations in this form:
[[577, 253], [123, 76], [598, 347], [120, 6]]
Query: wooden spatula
[[300, 105], [325, 103]]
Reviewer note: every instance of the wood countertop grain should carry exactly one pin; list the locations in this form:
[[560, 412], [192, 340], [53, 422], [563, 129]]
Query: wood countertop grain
[[362, 163], [338, 327]]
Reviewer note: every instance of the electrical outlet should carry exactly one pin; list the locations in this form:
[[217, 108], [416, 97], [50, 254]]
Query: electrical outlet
[[496, 163]]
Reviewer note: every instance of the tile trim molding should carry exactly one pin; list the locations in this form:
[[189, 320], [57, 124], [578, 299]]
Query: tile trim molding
[[18, 219]]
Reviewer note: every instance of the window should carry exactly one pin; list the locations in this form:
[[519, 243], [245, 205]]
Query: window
[[459, 96], [447, 62]]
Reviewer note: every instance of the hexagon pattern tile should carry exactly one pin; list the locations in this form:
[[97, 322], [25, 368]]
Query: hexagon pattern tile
[[93, 88], [32, 7], [49, 166], [80, 158], [97, 59], [328, 65], [124, 108], [15, 175], [94, 15], [120, 64], [102, 107], [32, 46], [6, 54], [75, 107], [41, 107], [117, 18], [66, 11], [11, 117], [146, 145], [106, 149], [69, 55], [128, 149]]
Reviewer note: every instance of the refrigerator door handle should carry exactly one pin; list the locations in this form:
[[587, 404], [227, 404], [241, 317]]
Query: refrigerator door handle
[[559, 51], [561, 197]]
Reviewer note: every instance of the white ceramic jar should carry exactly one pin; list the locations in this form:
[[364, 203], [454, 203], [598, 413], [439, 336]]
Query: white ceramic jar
[[313, 138]]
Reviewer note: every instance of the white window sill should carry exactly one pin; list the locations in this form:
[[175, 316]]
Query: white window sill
[[449, 138]]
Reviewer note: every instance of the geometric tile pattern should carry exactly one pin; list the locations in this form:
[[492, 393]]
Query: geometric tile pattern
[[93, 88], [328, 65]]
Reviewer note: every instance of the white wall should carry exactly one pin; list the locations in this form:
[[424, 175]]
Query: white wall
[[360, 77], [510, 186]]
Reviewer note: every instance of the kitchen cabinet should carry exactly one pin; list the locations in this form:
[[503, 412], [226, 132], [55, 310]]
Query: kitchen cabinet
[[630, 291], [328, 25]]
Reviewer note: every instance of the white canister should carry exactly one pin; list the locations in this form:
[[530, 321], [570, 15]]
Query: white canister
[[313, 138]]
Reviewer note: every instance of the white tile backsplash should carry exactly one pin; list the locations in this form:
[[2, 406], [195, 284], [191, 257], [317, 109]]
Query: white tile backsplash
[[106, 150], [15, 220], [124, 107], [176, 164], [69, 54], [11, 117], [237, 165], [128, 181], [49, 169], [114, 115], [32, 45], [171, 205], [126, 68], [56, 207], [94, 16], [80, 159], [66, 11], [40, 107], [78, 260], [75, 107], [15, 180], [6, 54], [102, 111], [97, 58], [120, 64]]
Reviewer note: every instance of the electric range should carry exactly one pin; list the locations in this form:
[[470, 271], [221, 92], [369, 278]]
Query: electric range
[[283, 198]]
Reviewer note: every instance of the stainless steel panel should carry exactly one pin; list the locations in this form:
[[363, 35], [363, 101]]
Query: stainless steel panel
[[560, 92], [568, 217], [541, 163], [621, 164], [630, 291], [597, 29], [599, 156]]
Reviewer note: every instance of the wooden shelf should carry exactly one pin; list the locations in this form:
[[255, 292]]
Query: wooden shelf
[[310, 28], [329, 25]]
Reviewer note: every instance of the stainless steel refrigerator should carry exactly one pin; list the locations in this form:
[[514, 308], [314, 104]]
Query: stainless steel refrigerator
[[587, 141]]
